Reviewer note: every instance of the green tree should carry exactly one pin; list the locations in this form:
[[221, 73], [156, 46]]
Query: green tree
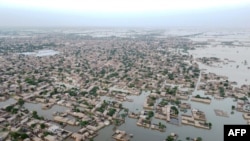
[[233, 107], [170, 138], [222, 91], [123, 115], [42, 126], [84, 123], [20, 102], [199, 139], [192, 85], [175, 110], [171, 76], [161, 126], [111, 112], [150, 114]]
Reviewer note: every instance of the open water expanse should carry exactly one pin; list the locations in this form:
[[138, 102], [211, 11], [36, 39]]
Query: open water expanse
[[235, 69], [42, 53]]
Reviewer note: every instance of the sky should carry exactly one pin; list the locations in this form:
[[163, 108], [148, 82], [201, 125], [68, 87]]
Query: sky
[[142, 13]]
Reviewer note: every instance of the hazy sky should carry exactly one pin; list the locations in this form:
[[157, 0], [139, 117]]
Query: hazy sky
[[152, 13]]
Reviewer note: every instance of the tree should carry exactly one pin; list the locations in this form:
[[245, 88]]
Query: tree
[[84, 123], [20, 102], [222, 91], [20, 88], [93, 91], [123, 115], [192, 85], [165, 72], [18, 135], [150, 114], [171, 76], [117, 122], [233, 107], [36, 116], [199, 139], [161, 126], [169, 138], [175, 110], [210, 125], [9, 108], [111, 112], [42, 126]]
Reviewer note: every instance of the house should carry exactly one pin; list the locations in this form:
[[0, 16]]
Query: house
[[53, 129], [50, 138]]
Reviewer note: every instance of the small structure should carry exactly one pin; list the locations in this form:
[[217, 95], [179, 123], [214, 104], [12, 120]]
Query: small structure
[[220, 113], [120, 136]]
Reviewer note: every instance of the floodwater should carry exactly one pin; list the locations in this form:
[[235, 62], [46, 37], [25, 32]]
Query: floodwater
[[237, 56], [7, 102], [141, 134], [46, 113], [241, 75], [42, 53]]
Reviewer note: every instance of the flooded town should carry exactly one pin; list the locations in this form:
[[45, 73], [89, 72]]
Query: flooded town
[[122, 84]]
